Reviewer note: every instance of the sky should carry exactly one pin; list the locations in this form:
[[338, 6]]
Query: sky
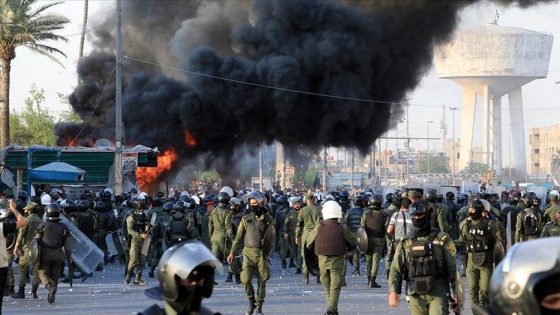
[[541, 98]]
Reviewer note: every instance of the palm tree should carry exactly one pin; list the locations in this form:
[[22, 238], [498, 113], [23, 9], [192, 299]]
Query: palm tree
[[20, 25]]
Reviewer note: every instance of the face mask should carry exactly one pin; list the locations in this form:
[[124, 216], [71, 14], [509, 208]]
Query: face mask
[[475, 215], [421, 225], [189, 300], [254, 209]]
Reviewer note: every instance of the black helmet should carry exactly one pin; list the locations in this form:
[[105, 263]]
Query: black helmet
[[282, 200], [375, 202], [125, 196], [168, 207], [439, 198], [344, 195], [157, 202], [69, 205], [360, 201], [223, 198], [99, 206], [52, 211], [133, 191], [478, 206], [55, 193], [180, 206], [430, 195], [416, 209], [389, 197], [22, 195], [106, 195], [83, 206], [450, 195]]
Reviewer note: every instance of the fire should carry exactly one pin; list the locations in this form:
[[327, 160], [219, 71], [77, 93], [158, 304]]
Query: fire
[[146, 175], [189, 139]]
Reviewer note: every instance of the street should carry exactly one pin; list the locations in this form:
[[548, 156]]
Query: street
[[106, 293]]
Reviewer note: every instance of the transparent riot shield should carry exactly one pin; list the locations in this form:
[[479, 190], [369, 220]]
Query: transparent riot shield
[[85, 253]]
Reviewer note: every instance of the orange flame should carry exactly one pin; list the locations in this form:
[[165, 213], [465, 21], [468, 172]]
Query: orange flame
[[146, 175], [189, 139]]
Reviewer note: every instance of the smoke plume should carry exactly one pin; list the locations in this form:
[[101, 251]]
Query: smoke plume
[[313, 73]]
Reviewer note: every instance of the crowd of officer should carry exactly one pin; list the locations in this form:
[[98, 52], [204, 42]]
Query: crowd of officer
[[419, 232]]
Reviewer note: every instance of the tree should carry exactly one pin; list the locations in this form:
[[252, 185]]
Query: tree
[[475, 168], [34, 125], [438, 164], [20, 25]]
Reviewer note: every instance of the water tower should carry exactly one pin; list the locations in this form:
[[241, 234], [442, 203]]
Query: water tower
[[492, 61]]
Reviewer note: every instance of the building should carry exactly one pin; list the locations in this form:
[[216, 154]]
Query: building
[[544, 144]]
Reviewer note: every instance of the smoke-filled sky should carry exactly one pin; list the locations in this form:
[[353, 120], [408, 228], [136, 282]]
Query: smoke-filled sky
[[366, 50]]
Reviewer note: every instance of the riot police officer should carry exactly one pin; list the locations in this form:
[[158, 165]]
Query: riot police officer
[[529, 221], [430, 259], [289, 233], [232, 224], [251, 230], [478, 235], [374, 222], [7, 228], [53, 235], [186, 277], [308, 218], [280, 217], [137, 227], [353, 219], [217, 226], [439, 215]]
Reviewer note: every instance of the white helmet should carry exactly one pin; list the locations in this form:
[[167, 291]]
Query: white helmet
[[196, 199], [185, 193], [486, 204], [554, 192], [227, 190], [45, 199], [331, 209]]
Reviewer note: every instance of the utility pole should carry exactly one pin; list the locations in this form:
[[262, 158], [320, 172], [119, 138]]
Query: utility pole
[[118, 104], [429, 153], [453, 109], [325, 170]]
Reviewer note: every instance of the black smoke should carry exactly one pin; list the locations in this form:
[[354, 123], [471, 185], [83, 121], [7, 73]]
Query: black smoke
[[313, 73]]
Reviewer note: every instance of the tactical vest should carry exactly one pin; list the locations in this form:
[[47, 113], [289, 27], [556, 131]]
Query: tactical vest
[[425, 264], [255, 231], [354, 217], [375, 224], [10, 238], [330, 239], [433, 208], [478, 240], [235, 221], [178, 228], [102, 219], [86, 223], [281, 214], [140, 222], [531, 223], [53, 234]]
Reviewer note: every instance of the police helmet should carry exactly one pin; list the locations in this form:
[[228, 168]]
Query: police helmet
[[254, 195], [188, 260], [360, 201], [344, 195], [450, 195], [417, 209], [476, 205], [430, 195], [157, 202], [52, 211], [227, 190], [168, 207], [83, 206], [519, 285], [375, 202], [22, 195], [282, 200], [69, 205], [180, 206], [99, 206], [389, 197], [55, 193], [133, 191], [223, 198]]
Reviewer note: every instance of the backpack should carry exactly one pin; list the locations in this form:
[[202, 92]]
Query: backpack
[[530, 224]]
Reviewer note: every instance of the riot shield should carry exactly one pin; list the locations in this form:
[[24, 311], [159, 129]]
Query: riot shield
[[85, 253], [311, 260], [499, 252], [148, 239], [114, 243], [269, 241], [34, 252], [509, 237], [362, 238]]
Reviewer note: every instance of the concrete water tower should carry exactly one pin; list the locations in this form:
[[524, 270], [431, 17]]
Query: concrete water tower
[[492, 61]]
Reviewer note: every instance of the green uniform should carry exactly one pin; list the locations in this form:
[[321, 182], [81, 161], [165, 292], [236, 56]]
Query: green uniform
[[137, 224], [25, 235], [53, 236], [308, 218], [425, 300], [462, 214], [204, 233], [280, 218], [441, 217], [523, 232], [479, 236], [550, 213], [233, 220], [374, 222], [551, 229], [217, 231], [290, 224], [332, 266], [158, 238], [102, 219], [249, 234]]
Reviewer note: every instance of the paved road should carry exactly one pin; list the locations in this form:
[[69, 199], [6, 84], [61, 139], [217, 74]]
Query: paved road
[[106, 293]]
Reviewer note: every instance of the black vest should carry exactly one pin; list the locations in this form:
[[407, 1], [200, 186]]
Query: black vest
[[54, 234], [478, 236], [375, 224], [330, 239], [140, 222], [102, 219]]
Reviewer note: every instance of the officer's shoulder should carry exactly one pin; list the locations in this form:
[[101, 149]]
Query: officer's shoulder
[[442, 236]]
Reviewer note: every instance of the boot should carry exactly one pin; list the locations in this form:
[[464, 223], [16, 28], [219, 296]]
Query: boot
[[373, 284], [34, 292], [237, 278], [252, 306], [318, 280], [20, 294], [305, 278], [52, 293], [151, 272], [11, 290], [99, 268], [229, 277], [292, 265], [138, 280], [298, 270], [128, 277], [284, 264], [259, 309]]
